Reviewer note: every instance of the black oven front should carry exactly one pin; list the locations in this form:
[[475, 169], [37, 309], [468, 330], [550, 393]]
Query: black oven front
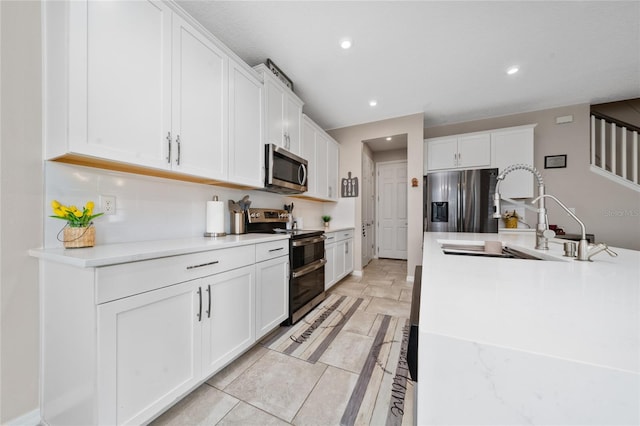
[[306, 287]]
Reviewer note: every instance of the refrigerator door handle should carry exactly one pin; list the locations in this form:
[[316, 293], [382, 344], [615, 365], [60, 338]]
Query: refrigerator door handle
[[459, 215]]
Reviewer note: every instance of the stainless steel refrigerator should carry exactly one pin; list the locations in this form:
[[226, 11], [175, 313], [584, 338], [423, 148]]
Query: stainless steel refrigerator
[[460, 201]]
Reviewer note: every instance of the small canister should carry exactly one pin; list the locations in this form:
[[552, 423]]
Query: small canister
[[238, 225], [570, 249]]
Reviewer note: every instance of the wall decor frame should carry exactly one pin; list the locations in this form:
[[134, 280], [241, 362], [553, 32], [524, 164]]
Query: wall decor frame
[[279, 74], [555, 161]]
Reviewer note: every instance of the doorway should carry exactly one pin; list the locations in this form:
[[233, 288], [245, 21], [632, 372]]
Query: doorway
[[368, 207], [392, 223]]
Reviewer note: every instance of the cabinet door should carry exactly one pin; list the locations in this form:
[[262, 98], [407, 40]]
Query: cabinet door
[[272, 294], [308, 152], [246, 144], [275, 105], [330, 266], [474, 151], [228, 316], [293, 123], [441, 153], [332, 169], [149, 349], [339, 260], [123, 84], [348, 256], [514, 147], [200, 104], [322, 170]]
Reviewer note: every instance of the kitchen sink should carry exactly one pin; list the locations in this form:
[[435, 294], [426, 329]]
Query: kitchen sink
[[488, 249]]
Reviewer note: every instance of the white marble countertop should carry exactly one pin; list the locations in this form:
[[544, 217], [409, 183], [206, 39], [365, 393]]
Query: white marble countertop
[[554, 322], [111, 254]]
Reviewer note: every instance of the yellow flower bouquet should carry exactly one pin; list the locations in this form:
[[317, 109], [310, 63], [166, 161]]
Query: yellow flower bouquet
[[78, 232], [75, 217]]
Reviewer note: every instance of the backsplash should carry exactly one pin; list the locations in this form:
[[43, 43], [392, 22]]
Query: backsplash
[[150, 208]]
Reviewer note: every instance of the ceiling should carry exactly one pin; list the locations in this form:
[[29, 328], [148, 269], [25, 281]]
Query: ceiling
[[445, 59]]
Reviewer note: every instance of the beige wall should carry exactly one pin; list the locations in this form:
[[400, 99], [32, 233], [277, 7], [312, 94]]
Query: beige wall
[[351, 148], [21, 209], [395, 155], [610, 211]]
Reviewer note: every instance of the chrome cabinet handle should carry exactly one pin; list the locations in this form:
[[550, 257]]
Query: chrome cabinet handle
[[178, 143], [276, 249], [200, 299], [346, 246], [169, 150], [203, 264], [209, 307]]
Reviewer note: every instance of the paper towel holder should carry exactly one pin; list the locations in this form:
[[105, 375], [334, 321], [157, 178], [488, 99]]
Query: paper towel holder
[[215, 234]]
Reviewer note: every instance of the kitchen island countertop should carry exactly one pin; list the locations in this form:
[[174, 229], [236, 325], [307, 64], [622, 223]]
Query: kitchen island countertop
[[510, 341], [112, 254]]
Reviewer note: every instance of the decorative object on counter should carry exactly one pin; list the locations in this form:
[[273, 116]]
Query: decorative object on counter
[[414, 182], [289, 209], [349, 186], [555, 161], [238, 214], [510, 219], [326, 219], [79, 230], [215, 218], [278, 73]]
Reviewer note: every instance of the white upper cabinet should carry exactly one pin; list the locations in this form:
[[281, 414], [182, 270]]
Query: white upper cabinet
[[108, 80], [463, 152], [308, 152], [199, 119], [283, 113], [514, 146], [497, 148], [322, 152], [137, 83], [246, 143], [332, 169]]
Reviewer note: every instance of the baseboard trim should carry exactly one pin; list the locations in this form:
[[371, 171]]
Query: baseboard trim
[[32, 418], [356, 273]]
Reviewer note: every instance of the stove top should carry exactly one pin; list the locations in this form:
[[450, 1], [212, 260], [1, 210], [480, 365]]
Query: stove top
[[275, 221]]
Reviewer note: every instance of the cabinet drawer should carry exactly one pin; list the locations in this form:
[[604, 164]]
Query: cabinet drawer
[[344, 235], [266, 251], [332, 237], [117, 281]]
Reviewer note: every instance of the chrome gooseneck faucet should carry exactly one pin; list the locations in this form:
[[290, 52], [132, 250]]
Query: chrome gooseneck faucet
[[585, 251], [543, 233]]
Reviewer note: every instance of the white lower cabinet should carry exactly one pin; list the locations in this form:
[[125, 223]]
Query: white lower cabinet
[[149, 352], [272, 294], [339, 254], [228, 317], [122, 343]]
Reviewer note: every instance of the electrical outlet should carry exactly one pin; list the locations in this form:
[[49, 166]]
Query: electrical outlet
[[108, 204]]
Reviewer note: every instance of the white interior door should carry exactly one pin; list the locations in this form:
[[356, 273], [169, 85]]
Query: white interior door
[[392, 210], [368, 197]]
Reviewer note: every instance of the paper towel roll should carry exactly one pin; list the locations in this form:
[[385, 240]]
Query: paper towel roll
[[215, 217]]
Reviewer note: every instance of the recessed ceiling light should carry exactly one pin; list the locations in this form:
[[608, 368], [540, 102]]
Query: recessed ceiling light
[[389, 138], [345, 43], [512, 70], [373, 102]]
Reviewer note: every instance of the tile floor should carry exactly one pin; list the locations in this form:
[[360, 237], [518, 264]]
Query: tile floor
[[269, 387]]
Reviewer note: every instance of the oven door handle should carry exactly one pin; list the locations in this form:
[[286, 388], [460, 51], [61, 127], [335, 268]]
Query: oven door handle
[[307, 241], [309, 268]]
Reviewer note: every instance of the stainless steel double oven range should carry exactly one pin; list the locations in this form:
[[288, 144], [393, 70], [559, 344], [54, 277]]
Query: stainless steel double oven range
[[306, 259]]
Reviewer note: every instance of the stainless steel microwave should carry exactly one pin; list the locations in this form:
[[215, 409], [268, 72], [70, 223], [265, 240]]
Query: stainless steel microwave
[[286, 173]]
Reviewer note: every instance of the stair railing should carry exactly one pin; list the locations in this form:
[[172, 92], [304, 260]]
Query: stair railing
[[614, 149]]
